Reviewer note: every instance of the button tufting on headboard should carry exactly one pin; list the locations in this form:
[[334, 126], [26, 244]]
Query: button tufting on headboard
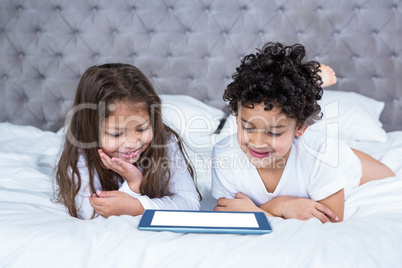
[[188, 47]]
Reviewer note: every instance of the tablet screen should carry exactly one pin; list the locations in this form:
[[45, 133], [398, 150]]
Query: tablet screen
[[205, 219]]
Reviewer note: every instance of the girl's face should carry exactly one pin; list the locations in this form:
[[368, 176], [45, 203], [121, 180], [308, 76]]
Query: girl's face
[[126, 133], [266, 137]]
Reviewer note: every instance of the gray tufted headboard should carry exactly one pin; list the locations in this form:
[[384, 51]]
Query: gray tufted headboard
[[189, 47]]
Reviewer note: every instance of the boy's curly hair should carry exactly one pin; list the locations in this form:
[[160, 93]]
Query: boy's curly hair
[[278, 76]]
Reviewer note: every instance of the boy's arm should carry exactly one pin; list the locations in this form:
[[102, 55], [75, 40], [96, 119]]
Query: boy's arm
[[291, 207], [240, 202], [336, 203]]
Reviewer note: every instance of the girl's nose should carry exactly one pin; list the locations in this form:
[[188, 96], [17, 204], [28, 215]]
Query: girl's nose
[[132, 140]]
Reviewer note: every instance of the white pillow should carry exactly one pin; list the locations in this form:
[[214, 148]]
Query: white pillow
[[194, 120], [352, 116], [196, 123], [347, 115]]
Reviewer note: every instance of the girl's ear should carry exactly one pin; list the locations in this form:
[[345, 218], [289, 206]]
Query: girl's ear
[[300, 130]]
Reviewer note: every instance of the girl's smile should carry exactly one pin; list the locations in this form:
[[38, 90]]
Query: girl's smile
[[129, 155]]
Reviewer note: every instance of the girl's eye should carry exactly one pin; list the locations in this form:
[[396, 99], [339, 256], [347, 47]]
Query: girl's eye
[[115, 135], [143, 129]]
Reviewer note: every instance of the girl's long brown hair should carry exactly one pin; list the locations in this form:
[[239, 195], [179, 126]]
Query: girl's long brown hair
[[99, 87]]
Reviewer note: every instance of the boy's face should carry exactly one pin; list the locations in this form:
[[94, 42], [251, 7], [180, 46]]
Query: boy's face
[[266, 137]]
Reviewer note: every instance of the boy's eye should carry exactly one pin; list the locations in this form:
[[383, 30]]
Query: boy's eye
[[274, 134], [248, 129]]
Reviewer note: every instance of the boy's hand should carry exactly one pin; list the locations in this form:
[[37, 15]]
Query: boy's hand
[[128, 171], [115, 203], [291, 207], [241, 202]]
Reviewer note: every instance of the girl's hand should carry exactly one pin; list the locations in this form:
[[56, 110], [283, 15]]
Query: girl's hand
[[115, 203], [291, 207], [241, 202], [128, 171]]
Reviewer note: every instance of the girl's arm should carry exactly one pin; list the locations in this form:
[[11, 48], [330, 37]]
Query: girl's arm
[[132, 175], [181, 185], [84, 208], [128, 201], [109, 203]]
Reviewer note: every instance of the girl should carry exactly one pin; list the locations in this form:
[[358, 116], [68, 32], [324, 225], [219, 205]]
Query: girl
[[272, 168], [116, 140]]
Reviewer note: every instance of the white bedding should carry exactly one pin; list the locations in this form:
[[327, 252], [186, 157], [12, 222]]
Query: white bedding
[[35, 232]]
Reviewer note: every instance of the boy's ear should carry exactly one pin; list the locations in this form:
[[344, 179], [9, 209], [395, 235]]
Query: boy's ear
[[300, 130]]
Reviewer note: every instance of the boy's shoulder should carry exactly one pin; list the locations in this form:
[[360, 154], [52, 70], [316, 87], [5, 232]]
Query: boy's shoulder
[[314, 138], [316, 144], [226, 146]]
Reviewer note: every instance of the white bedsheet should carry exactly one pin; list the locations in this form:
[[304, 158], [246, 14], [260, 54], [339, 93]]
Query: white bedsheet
[[35, 232]]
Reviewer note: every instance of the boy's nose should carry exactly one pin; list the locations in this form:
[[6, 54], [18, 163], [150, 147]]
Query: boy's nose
[[260, 146], [258, 141]]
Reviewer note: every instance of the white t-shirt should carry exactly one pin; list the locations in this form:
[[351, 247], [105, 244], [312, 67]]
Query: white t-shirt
[[181, 185], [317, 167]]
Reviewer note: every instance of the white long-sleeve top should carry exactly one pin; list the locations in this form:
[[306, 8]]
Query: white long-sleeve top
[[181, 185]]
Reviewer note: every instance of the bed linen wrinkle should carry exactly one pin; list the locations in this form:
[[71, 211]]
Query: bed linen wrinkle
[[40, 233]]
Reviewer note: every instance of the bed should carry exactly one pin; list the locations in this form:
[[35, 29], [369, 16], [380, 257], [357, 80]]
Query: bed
[[189, 49]]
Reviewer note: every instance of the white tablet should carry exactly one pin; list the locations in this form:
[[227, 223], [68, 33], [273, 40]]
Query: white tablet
[[184, 221]]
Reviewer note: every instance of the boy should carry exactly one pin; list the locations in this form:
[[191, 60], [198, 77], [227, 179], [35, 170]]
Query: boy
[[272, 164]]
